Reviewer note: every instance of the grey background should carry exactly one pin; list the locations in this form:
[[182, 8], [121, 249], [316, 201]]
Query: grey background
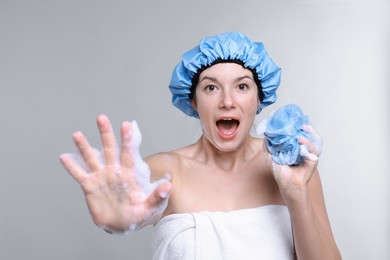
[[64, 62]]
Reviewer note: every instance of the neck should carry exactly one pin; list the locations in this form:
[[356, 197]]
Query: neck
[[226, 160]]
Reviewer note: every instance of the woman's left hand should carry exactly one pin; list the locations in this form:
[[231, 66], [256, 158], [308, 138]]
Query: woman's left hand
[[292, 180]]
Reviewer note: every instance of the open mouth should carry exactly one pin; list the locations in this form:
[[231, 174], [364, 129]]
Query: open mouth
[[227, 127]]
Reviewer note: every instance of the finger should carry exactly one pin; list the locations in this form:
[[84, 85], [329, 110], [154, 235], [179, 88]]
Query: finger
[[305, 153], [310, 129], [276, 168], [268, 160], [108, 139], [317, 139], [77, 173], [310, 164], [87, 152], [159, 194], [309, 145], [127, 159]]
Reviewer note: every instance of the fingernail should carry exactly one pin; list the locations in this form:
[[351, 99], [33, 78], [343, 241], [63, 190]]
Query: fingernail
[[168, 176], [163, 194]]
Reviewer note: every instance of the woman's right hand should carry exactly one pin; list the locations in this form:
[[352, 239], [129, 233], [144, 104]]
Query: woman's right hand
[[117, 187]]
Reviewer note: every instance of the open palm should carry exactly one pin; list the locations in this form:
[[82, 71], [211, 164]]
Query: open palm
[[116, 182]]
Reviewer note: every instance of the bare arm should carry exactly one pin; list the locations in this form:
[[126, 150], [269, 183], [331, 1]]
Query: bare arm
[[301, 189], [312, 232]]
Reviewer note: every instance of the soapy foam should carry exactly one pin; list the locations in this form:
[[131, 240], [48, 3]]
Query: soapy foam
[[141, 173]]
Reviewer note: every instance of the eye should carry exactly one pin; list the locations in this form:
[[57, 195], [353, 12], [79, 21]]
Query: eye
[[210, 88], [243, 87]]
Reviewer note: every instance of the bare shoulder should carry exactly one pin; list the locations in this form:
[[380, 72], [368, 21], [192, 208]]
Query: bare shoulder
[[259, 146], [167, 162], [259, 142]]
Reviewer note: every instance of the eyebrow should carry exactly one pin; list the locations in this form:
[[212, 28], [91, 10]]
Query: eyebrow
[[216, 80], [207, 78], [244, 77]]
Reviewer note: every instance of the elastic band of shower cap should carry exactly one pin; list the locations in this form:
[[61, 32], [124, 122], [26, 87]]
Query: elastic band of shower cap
[[226, 47]]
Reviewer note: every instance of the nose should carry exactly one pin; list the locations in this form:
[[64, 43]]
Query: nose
[[227, 99]]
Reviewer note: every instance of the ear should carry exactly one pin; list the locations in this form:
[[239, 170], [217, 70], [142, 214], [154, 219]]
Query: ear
[[194, 105]]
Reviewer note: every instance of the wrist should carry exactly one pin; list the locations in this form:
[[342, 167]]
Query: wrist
[[296, 197]]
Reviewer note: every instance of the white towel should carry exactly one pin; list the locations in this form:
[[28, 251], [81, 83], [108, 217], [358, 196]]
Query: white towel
[[257, 233]]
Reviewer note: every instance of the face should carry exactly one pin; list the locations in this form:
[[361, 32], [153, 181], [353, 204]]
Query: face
[[226, 99]]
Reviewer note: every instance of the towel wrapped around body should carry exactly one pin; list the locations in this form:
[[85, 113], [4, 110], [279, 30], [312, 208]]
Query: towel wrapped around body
[[256, 233]]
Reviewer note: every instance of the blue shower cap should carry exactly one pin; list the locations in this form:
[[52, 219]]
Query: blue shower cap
[[226, 47]]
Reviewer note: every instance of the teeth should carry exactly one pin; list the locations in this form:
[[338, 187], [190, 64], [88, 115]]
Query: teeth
[[227, 119]]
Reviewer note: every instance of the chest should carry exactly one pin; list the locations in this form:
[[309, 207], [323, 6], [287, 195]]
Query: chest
[[201, 187]]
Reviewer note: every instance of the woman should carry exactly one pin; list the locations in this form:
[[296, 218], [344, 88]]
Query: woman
[[221, 197]]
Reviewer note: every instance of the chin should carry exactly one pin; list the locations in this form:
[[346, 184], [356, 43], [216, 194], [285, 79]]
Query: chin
[[227, 146]]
